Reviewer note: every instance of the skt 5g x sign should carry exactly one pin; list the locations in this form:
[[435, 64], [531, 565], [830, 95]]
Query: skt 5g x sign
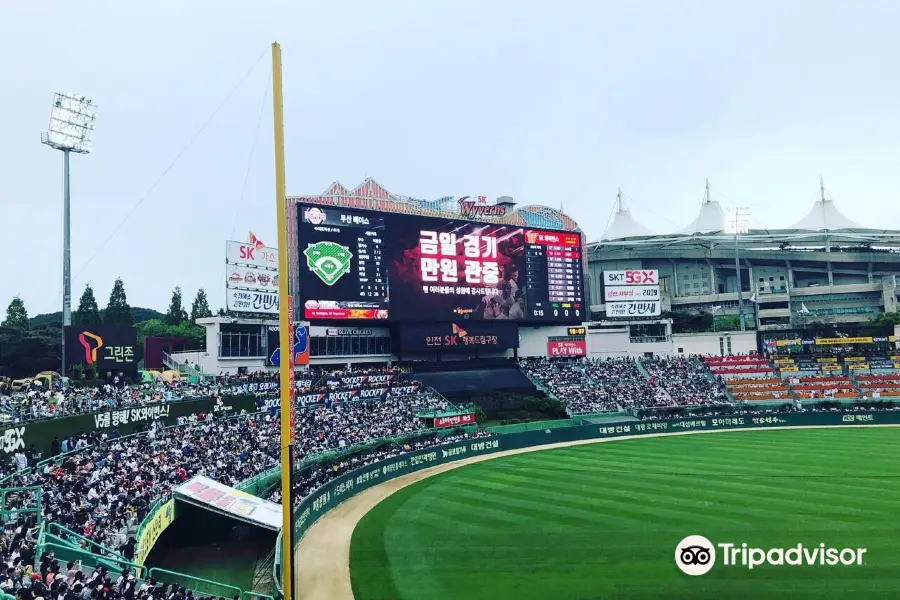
[[108, 348]]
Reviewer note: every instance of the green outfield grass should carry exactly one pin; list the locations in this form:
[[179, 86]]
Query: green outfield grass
[[603, 520]]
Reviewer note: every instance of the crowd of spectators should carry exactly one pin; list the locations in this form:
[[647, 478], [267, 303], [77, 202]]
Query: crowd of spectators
[[687, 380], [106, 485], [588, 385], [39, 400]]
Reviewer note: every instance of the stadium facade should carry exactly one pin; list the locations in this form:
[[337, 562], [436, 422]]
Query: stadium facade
[[826, 268]]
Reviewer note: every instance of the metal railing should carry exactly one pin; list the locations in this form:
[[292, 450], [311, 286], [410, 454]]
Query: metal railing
[[198, 585]]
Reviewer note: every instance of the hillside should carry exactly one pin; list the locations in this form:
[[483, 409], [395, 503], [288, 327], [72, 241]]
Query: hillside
[[139, 314]]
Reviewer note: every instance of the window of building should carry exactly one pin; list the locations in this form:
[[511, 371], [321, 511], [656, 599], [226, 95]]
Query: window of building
[[236, 341], [349, 345]]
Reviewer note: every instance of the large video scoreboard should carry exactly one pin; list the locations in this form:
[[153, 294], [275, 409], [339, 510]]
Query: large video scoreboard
[[357, 264]]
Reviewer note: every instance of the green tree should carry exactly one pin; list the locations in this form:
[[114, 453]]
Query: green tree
[[888, 318], [16, 315], [221, 313], [200, 307], [88, 313], [176, 313], [117, 311]]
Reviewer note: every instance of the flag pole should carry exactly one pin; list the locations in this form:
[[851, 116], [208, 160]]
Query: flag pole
[[285, 337]]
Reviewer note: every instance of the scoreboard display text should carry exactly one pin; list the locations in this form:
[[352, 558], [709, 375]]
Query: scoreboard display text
[[357, 264]]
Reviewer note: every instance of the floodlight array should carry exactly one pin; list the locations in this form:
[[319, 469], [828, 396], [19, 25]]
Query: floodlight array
[[71, 123]]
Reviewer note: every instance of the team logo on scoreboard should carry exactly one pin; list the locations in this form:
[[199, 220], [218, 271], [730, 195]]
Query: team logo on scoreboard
[[315, 215], [328, 260], [475, 209]]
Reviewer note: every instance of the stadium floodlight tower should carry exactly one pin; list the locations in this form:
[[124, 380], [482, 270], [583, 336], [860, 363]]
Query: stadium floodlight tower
[[71, 130], [737, 225]]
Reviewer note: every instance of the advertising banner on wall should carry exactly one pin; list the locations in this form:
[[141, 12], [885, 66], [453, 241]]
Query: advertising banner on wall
[[251, 278], [632, 293], [107, 348], [633, 309], [631, 277], [249, 301], [454, 420], [301, 346], [567, 348], [240, 253], [464, 336]]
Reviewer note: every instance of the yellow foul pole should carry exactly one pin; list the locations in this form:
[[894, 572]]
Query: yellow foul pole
[[285, 335]]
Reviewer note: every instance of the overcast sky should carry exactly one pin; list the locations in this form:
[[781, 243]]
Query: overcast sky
[[555, 103]]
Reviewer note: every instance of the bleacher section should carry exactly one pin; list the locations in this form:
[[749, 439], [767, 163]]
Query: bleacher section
[[824, 386], [742, 366], [758, 389], [886, 385]]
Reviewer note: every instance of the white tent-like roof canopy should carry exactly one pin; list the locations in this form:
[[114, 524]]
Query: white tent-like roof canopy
[[624, 225], [825, 215]]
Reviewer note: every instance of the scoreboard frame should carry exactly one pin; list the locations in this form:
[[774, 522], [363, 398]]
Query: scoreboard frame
[[402, 255]]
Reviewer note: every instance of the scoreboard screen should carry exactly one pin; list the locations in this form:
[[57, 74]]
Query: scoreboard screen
[[357, 264]]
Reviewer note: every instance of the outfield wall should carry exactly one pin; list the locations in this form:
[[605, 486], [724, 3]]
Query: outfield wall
[[340, 489]]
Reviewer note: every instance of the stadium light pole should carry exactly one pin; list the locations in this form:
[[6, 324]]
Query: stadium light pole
[[71, 130], [738, 225], [285, 338]]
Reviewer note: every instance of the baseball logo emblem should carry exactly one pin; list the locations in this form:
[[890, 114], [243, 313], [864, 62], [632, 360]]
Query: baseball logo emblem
[[695, 555]]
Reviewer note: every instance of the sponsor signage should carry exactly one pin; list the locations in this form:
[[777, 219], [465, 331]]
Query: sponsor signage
[[856, 366], [107, 348], [792, 342], [784, 361], [239, 253], [631, 277], [336, 396], [829, 359], [633, 309], [832, 368], [360, 381], [567, 348], [843, 340], [251, 278], [476, 207], [454, 420], [358, 331], [631, 292], [152, 529], [789, 369], [462, 336], [850, 359], [301, 346], [252, 302], [220, 498]]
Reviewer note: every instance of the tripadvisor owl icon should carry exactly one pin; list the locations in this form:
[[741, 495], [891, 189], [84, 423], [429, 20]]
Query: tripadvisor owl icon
[[328, 260]]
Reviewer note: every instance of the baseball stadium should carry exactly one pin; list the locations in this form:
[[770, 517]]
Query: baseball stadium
[[470, 423], [467, 398]]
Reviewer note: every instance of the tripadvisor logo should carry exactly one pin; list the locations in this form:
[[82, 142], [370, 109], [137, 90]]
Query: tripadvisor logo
[[696, 555], [328, 260]]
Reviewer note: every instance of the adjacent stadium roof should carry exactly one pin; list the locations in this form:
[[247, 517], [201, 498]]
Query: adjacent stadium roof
[[624, 225], [824, 224], [371, 195]]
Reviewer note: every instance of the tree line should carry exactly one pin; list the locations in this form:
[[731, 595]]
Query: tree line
[[31, 345]]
